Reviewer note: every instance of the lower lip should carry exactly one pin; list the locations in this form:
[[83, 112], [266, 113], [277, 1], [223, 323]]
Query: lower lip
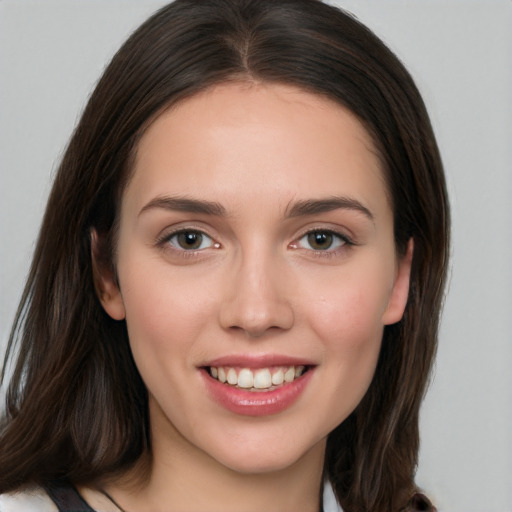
[[256, 403]]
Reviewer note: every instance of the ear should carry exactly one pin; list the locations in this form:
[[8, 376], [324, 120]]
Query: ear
[[400, 292], [105, 282]]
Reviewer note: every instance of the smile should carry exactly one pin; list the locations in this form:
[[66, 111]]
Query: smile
[[257, 386], [257, 379]]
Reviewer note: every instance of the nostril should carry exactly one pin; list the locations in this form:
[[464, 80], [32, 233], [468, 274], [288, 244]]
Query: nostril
[[256, 319]]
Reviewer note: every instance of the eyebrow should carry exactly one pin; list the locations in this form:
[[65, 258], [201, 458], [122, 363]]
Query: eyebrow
[[315, 206], [295, 209], [185, 204]]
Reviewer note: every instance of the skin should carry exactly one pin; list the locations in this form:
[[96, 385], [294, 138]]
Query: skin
[[255, 286]]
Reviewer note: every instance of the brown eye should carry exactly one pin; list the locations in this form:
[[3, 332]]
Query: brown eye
[[322, 240], [190, 240]]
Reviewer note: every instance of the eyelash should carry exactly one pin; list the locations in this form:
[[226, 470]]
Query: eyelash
[[343, 240], [166, 242]]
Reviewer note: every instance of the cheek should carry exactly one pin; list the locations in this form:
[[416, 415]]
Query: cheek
[[165, 310], [352, 334], [347, 319], [347, 315]]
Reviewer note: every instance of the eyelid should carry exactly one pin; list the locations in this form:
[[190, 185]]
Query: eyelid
[[346, 241], [164, 239]]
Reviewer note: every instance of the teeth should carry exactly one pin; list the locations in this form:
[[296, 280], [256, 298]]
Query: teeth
[[232, 377], [278, 377], [263, 378], [289, 375], [246, 379]]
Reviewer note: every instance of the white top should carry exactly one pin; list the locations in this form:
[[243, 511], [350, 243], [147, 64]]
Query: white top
[[37, 500]]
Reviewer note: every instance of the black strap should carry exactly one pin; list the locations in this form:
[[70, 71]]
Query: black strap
[[66, 497]]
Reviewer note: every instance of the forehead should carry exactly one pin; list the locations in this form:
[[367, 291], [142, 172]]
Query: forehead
[[241, 139]]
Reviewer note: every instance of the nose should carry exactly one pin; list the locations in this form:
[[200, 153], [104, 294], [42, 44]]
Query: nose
[[257, 298]]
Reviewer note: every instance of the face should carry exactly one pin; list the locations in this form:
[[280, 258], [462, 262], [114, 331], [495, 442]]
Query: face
[[256, 270]]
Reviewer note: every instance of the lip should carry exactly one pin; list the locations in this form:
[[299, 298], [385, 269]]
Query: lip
[[256, 403], [257, 361]]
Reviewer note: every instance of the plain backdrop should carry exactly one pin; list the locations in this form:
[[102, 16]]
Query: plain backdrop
[[460, 53]]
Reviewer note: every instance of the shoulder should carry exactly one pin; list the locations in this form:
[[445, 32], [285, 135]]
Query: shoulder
[[34, 499]]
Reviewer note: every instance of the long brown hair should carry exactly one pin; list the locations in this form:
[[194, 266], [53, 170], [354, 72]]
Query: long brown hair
[[76, 405]]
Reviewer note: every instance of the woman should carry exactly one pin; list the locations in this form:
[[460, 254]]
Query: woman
[[242, 302]]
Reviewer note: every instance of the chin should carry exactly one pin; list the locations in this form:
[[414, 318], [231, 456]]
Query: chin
[[260, 457]]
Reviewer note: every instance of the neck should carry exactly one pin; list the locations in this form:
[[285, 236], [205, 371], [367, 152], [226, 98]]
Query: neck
[[182, 477]]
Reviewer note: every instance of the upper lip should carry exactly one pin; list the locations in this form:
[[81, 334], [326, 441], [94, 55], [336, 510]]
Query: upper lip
[[257, 361]]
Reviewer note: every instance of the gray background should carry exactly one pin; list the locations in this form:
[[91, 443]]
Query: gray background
[[460, 53]]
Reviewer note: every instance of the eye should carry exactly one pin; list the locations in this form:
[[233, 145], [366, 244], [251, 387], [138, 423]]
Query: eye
[[322, 240], [190, 240]]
